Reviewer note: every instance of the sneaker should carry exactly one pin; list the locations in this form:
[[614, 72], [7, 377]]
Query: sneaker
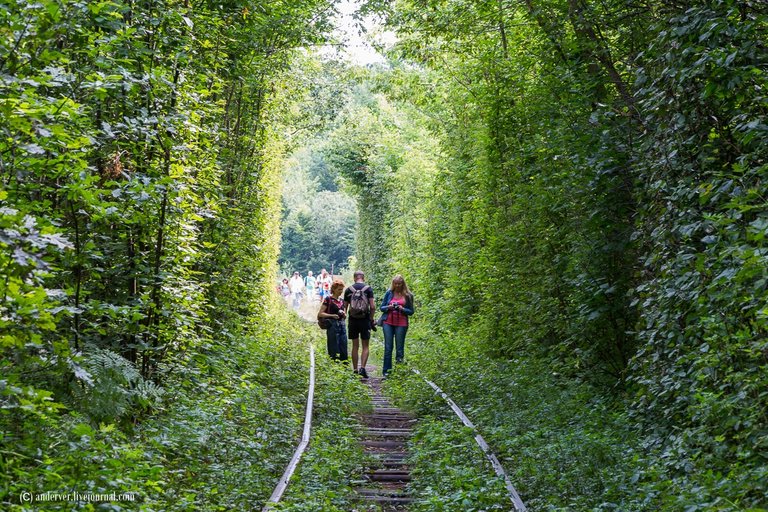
[[363, 373], [354, 370]]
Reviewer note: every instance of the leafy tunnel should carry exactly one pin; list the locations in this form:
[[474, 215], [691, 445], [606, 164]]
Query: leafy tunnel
[[573, 189]]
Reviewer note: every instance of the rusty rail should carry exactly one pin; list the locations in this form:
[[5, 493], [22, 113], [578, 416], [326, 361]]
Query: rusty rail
[[517, 502], [282, 484]]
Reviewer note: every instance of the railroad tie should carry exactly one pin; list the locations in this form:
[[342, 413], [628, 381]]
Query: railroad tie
[[385, 439]]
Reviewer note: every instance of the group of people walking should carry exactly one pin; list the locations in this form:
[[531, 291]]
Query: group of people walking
[[295, 289], [356, 305]]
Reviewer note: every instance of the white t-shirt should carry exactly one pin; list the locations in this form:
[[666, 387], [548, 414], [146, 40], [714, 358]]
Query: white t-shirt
[[296, 284]]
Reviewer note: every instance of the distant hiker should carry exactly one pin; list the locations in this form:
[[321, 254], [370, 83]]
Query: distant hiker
[[332, 309], [309, 284], [297, 289], [324, 284], [397, 306], [360, 307], [285, 290]]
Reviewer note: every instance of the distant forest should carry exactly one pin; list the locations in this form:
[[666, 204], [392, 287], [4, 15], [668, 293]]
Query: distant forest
[[318, 219]]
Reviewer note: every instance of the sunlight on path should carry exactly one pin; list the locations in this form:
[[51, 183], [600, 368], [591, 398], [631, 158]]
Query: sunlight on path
[[307, 310]]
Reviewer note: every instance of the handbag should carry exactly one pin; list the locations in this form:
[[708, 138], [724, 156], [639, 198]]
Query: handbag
[[322, 322]]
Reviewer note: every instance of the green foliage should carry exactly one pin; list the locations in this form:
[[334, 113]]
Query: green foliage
[[568, 186], [385, 157], [319, 219], [333, 464], [319, 233], [31, 311], [595, 204], [139, 191], [532, 213], [233, 428], [229, 426], [450, 472], [702, 363], [77, 456], [563, 447], [112, 386]]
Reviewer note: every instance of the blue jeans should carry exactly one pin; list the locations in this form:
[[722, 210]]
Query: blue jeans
[[336, 338], [398, 333]]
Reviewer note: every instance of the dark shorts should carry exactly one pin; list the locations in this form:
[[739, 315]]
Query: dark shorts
[[359, 328]]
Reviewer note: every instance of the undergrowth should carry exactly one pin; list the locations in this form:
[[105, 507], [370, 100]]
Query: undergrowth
[[334, 461], [562, 449], [218, 438]]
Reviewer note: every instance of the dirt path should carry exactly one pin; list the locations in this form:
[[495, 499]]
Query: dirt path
[[307, 310]]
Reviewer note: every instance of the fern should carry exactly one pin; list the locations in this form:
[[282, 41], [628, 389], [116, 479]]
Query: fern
[[117, 389]]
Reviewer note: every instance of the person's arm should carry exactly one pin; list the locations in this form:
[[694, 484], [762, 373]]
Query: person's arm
[[408, 308], [385, 301]]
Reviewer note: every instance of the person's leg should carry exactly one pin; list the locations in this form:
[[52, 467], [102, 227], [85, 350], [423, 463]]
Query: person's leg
[[389, 333], [353, 333], [341, 337], [400, 342], [365, 337], [355, 343], [364, 354], [330, 338]]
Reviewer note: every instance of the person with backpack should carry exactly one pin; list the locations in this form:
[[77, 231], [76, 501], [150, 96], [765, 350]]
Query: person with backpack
[[397, 306], [309, 284], [360, 307], [332, 311]]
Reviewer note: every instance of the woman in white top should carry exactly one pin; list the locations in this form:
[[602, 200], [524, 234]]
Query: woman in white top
[[297, 289]]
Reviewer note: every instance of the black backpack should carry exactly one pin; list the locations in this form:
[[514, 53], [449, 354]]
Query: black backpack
[[358, 303]]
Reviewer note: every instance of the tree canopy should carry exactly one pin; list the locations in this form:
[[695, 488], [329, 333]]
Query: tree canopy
[[574, 190]]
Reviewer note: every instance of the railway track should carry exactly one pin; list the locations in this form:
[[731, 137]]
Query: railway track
[[385, 440], [514, 497], [386, 434], [282, 484]]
